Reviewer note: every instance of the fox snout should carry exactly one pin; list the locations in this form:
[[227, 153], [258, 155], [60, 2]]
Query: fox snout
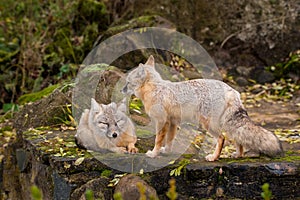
[[115, 135]]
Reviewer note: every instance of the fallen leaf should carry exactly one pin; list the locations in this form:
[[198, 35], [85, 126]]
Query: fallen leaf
[[79, 161]]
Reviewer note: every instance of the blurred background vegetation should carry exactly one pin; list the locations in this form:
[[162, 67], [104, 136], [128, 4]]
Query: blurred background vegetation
[[42, 43]]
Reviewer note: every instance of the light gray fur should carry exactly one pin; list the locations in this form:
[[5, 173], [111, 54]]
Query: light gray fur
[[98, 124]]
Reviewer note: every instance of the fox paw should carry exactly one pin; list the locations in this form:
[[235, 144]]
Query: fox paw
[[133, 150], [210, 158], [165, 149], [162, 150], [236, 155], [151, 154], [120, 150]]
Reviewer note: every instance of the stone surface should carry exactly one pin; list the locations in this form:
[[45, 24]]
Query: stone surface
[[129, 190], [28, 163], [97, 185], [42, 112]]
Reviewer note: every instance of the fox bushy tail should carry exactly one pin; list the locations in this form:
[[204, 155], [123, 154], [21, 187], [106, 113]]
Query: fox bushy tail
[[244, 132]]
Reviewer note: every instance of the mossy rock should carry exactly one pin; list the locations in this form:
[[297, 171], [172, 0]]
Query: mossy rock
[[130, 59], [139, 22], [52, 110], [32, 97]]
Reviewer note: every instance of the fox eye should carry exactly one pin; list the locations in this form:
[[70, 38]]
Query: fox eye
[[103, 123], [120, 122]]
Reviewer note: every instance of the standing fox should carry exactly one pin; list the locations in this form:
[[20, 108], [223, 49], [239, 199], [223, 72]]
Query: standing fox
[[212, 103], [106, 127]]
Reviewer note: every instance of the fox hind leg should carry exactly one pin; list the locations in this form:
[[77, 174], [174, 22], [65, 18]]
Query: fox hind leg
[[217, 152]]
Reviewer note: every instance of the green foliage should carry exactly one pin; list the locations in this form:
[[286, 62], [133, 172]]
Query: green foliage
[[117, 196], [290, 65], [89, 195], [66, 118], [142, 191], [43, 42], [10, 107], [172, 194], [36, 194], [182, 164], [106, 173], [136, 105], [266, 194]]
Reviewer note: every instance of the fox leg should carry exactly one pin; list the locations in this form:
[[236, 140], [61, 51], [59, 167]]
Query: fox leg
[[217, 152], [118, 149], [162, 130], [132, 148], [170, 137], [239, 151]]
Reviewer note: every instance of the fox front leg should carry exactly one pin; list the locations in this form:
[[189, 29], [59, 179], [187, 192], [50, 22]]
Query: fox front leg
[[131, 148], [239, 151], [217, 152], [170, 137], [119, 150], [160, 136]]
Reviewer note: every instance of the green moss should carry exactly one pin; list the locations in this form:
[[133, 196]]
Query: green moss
[[143, 133], [32, 97], [106, 173], [290, 156], [6, 128], [240, 160], [187, 156], [289, 152], [142, 21]]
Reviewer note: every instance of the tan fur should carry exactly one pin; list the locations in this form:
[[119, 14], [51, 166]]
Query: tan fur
[[212, 103]]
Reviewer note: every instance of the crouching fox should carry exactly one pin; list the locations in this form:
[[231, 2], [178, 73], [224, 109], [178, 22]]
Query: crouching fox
[[212, 103], [106, 127]]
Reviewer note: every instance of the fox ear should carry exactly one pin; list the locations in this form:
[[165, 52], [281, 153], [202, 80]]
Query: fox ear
[[95, 107], [150, 61], [122, 106], [113, 105]]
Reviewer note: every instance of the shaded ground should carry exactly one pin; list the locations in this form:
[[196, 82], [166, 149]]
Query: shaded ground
[[274, 115]]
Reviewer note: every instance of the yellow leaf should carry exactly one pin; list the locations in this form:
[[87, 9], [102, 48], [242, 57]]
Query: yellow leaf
[[79, 161]]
